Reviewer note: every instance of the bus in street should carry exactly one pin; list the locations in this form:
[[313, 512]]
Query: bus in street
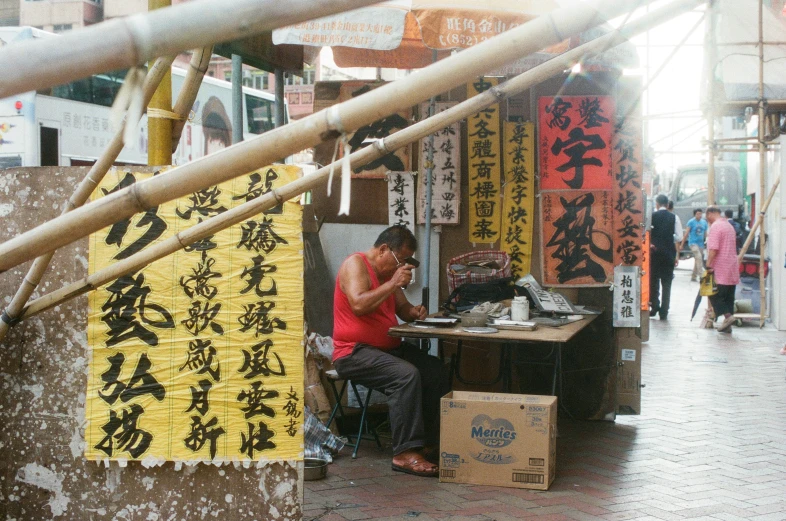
[[69, 125]]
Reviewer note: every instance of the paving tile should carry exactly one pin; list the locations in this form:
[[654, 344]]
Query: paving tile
[[708, 446]]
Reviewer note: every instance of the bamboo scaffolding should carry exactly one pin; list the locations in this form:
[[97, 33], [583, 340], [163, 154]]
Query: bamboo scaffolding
[[185, 101], [756, 225], [197, 68], [326, 124], [80, 195], [129, 41], [359, 158]]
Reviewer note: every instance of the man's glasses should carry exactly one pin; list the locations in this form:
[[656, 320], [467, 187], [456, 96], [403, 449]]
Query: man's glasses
[[398, 262], [408, 260]]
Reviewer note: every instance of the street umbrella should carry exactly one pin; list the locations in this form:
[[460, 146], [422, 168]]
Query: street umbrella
[[696, 304]]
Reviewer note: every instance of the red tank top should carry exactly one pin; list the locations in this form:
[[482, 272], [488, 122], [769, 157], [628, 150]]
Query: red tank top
[[350, 329]]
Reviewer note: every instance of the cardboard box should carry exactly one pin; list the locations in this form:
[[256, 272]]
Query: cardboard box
[[504, 440], [628, 371]]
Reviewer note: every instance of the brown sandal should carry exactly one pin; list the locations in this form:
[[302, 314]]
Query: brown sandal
[[413, 464]]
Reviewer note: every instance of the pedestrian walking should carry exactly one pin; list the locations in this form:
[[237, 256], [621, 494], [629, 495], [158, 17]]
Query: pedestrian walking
[[737, 228], [664, 238], [696, 234], [722, 261]]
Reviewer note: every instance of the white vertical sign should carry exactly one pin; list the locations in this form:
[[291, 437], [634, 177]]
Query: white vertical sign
[[401, 199], [446, 175], [627, 287]]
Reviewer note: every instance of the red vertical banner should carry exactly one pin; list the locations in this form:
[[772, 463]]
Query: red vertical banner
[[577, 238], [484, 168], [575, 142], [628, 198]]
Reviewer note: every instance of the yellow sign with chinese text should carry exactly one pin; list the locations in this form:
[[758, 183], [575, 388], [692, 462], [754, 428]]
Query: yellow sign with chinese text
[[484, 168], [198, 356], [518, 202]]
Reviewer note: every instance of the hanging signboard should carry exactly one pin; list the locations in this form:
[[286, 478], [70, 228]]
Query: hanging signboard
[[446, 175], [628, 199], [626, 311], [576, 230], [518, 202], [401, 199], [329, 93], [484, 168], [575, 142], [197, 356]]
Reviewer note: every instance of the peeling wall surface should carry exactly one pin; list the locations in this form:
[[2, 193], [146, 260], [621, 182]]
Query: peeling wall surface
[[43, 377]]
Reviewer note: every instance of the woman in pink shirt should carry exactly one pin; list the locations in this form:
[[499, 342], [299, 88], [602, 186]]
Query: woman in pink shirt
[[722, 261]]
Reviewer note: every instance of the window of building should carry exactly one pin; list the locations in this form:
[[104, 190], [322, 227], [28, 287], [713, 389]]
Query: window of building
[[309, 74], [100, 89], [259, 114], [63, 27]]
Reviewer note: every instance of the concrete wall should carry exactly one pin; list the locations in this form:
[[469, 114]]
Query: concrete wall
[[43, 377]]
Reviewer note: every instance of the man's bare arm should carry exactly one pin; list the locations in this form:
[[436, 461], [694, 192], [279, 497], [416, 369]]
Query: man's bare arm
[[405, 310], [711, 258]]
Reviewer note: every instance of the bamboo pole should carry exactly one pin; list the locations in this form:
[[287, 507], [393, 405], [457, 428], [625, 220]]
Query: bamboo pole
[[78, 198], [326, 124], [159, 120], [712, 59], [762, 213], [365, 155], [129, 41], [762, 167], [197, 68]]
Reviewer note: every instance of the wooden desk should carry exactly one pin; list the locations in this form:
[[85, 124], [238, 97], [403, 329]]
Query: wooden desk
[[507, 339]]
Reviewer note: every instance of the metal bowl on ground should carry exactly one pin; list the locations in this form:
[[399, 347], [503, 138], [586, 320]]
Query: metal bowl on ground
[[314, 468]]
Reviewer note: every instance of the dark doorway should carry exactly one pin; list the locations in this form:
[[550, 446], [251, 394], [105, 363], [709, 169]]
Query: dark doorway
[[50, 148]]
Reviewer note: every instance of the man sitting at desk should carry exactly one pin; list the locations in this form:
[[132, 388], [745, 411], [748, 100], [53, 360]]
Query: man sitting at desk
[[366, 301]]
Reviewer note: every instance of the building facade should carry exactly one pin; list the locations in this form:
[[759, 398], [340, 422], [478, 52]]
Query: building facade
[[9, 12], [60, 15]]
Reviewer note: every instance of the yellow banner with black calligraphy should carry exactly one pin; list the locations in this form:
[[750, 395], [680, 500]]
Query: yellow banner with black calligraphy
[[484, 168], [198, 356], [518, 202]]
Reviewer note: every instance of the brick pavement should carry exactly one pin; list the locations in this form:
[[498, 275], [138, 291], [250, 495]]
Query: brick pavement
[[710, 445]]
